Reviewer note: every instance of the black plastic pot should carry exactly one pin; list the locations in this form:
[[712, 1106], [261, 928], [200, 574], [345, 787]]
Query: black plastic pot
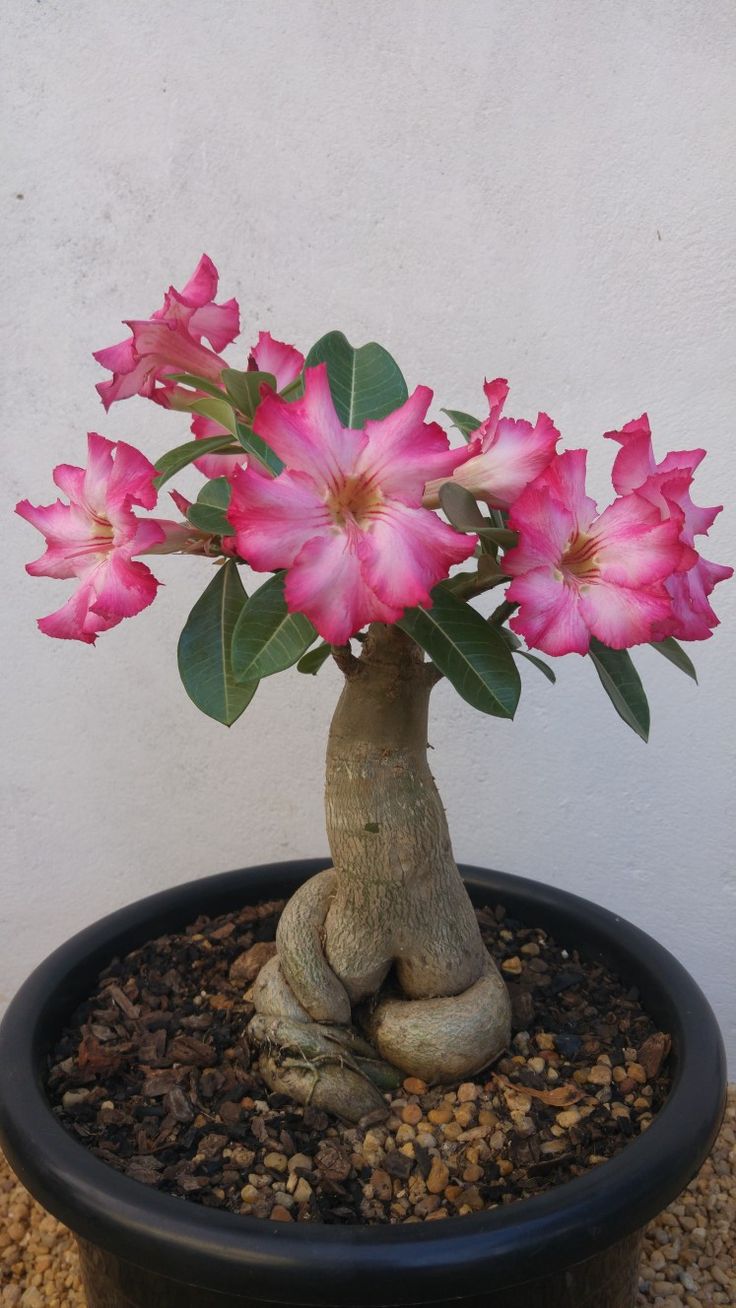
[[573, 1247]]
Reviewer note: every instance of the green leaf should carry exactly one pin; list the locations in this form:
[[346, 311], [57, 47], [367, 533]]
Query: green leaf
[[204, 649], [210, 509], [244, 389], [461, 508], [538, 663], [174, 460], [365, 382], [622, 684], [676, 654], [217, 492], [472, 655], [198, 383], [209, 519], [259, 450], [313, 660], [267, 638], [465, 422], [218, 410]]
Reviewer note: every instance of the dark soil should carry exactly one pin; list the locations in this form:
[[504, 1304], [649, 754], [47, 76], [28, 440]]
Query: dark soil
[[154, 1076]]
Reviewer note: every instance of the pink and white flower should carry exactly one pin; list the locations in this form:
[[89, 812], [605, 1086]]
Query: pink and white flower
[[345, 517], [95, 535], [666, 485], [578, 573], [284, 362], [503, 456], [170, 341]]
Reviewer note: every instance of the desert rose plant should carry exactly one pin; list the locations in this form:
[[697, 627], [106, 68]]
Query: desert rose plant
[[324, 472]]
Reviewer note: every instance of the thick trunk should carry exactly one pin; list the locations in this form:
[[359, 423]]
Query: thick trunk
[[398, 895], [392, 910]]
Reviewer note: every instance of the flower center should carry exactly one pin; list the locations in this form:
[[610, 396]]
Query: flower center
[[354, 500], [579, 560]]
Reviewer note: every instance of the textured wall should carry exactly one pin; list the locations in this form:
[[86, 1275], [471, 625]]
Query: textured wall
[[540, 191]]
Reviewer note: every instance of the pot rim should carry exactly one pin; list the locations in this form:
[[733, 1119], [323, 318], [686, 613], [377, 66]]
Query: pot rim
[[399, 1264]]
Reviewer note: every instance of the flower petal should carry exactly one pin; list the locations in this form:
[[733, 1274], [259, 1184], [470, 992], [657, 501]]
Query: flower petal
[[506, 464], [633, 547], [122, 588], [621, 616], [284, 362], [549, 617], [202, 285], [405, 453], [693, 616], [274, 517], [219, 323], [407, 551], [544, 526], [75, 620], [307, 434], [327, 584]]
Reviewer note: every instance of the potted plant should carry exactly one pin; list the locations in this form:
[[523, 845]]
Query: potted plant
[[380, 991]]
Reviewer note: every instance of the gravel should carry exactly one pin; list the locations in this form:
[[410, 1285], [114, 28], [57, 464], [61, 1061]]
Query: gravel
[[688, 1261]]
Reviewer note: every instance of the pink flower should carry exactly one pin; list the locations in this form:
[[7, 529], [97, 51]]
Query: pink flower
[[284, 362], [345, 516], [578, 574], [170, 341], [666, 485], [94, 537], [504, 455]]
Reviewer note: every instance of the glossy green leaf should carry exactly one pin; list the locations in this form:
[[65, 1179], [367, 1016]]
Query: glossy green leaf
[[219, 410], [259, 450], [244, 389], [197, 384], [473, 655], [465, 422], [217, 492], [312, 661], [267, 638], [543, 667], [461, 508], [209, 511], [365, 382], [174, 460], [622, 684], [204, 649], [207, 518], [670, 649]]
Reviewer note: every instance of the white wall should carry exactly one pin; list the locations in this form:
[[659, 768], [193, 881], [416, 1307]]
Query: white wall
[[542, 191]]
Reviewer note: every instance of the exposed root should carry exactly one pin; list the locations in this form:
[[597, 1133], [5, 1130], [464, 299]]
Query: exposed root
[[299, 938], [332, 1068], [444, 1039]]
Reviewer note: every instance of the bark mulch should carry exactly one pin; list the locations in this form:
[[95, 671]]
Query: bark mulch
[[154, 1076]]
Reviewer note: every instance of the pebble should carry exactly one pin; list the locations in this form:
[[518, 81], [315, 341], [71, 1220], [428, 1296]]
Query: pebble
[[439, 1175], [414, 1086]]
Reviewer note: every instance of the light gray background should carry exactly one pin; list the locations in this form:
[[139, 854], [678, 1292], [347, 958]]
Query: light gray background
[[542, 191]]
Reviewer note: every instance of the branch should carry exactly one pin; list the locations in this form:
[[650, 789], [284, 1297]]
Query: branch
[[432, 674], [345, 660]]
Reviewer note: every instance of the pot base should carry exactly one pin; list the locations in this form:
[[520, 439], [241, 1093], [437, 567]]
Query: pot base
[[608, 1280]]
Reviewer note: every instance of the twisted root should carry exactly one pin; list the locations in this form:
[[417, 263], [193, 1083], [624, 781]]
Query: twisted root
[[306, 1047]]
